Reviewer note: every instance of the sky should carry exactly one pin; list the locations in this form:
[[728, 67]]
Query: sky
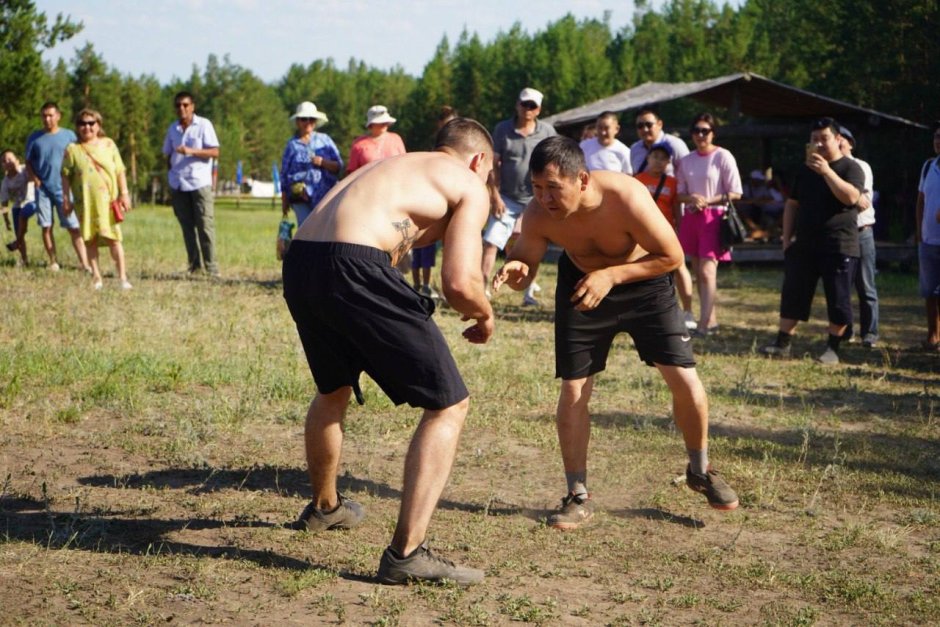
[[166, 37]]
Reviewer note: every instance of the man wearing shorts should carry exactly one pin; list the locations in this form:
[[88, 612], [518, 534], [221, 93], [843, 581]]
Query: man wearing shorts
[[820, 240], [44, 164], [355, 312], [513, 142], [615, 276]]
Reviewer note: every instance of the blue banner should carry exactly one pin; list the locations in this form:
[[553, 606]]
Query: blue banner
[[238, 173], [277, 180]]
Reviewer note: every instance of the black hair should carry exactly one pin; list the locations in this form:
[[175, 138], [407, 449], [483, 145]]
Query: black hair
[[608, 115], [561, 151], [50, 104], [936, 126], [821, 124], [652, 110], [465, 136], [184, 94], [708, 118]]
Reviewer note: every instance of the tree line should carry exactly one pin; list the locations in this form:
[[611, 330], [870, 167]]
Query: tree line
[[875, 53]]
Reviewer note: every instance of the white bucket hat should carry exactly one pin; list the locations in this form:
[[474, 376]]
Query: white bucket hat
[[378, 114], [307, 109]]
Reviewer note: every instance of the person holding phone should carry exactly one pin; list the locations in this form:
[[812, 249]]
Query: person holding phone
[[820, 240]]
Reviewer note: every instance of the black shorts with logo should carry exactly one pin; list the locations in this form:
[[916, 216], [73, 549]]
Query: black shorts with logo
[[647, 310], [355, 312]]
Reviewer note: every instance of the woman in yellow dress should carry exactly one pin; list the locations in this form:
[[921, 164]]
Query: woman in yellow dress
[[93, 172]]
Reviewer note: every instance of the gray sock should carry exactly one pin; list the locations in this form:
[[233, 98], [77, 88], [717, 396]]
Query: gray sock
[[698, 461], [577, 483]]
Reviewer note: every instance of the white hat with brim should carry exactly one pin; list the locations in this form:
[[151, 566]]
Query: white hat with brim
[[378, 115], [307, 109]]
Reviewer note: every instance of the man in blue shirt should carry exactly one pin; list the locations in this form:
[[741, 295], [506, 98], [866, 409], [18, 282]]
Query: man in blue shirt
[[190, 146], [44, 152]]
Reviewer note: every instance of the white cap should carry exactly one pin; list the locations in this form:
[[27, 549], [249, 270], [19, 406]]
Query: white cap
[[531, 95]]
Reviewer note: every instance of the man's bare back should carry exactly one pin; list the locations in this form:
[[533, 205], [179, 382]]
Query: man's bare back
[[397, 203]]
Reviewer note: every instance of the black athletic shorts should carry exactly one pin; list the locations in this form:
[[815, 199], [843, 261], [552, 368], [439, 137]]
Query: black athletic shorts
[[355, 312], [802, 269], [647, 310]]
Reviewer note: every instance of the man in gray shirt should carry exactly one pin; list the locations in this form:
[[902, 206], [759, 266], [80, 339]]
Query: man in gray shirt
[[513, 142]]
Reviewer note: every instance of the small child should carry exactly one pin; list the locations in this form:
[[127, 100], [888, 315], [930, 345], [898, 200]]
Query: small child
[[663, 189], [17, 189]]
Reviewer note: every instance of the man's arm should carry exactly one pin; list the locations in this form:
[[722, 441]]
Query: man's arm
[[847, 193], [199, 153], [461, 278], [525, 256], [652, 232], [790, 208]]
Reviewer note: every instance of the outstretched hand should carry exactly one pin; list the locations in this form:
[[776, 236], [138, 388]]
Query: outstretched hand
[[514, 273]]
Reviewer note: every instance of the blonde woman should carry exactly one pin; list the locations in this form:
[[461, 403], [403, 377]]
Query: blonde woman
[[93, 173]]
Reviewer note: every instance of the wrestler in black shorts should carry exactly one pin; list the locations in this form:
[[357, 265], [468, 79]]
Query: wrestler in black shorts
[[355, 312], [647, 310]]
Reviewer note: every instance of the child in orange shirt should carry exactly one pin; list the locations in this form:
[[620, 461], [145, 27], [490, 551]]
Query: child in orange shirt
[[663, 189]]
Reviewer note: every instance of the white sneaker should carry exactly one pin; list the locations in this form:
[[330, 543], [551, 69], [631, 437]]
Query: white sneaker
[[126, 285], [689, 319], [97, 285], [535, 288], [54, 267]]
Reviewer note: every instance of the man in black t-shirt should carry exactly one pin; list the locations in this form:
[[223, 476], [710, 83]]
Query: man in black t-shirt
[[820, 240]]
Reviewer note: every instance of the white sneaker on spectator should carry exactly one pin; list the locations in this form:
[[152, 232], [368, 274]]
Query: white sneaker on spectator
[[689, 319]]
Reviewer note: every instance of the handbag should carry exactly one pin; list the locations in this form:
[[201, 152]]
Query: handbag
[[732, 230], [117, 207], [298, 193], [117, 210]]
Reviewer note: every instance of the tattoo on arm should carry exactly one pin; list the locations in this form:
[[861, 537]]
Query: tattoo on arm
[[407, 239]]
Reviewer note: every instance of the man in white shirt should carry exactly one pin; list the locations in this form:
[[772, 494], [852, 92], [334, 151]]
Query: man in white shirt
[[865, 276]]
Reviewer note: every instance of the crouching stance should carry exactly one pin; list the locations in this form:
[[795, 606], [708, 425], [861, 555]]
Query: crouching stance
[[355, 312], [615, 275]]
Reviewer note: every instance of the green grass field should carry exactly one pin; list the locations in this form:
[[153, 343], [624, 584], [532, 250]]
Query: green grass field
[[151, 451]]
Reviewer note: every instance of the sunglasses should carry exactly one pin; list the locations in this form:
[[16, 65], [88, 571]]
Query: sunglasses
[[645, 126], [528, 104], [87, 122], [701, 130], [304, 120]]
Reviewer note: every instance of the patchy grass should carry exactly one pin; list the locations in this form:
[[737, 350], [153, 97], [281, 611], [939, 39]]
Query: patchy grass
[[151, 452]]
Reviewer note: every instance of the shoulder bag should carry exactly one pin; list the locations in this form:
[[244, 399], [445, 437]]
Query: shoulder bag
[[117, 208]]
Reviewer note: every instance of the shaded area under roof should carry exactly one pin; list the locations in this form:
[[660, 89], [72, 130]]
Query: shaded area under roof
[[742, 94]]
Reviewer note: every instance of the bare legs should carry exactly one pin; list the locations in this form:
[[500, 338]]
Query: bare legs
[[117, 255], [933, 320], [706, 273], [427, 468], [48, 241], [573, 421], [427, 465]]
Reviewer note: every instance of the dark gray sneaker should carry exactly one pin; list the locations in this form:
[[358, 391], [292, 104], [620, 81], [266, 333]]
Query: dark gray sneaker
[[716, 490], [347, 515], [870, 340], [575, 510], [775, 350], [424, 565], [829, 357]]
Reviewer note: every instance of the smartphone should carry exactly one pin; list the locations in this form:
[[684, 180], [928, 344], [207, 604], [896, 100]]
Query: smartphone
[[810, 150]]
